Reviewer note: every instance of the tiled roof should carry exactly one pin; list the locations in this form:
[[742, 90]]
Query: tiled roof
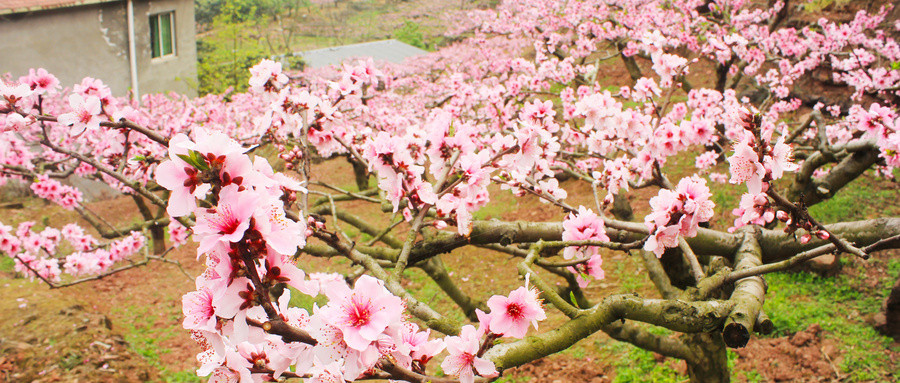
[[20, 6], [386, 50]]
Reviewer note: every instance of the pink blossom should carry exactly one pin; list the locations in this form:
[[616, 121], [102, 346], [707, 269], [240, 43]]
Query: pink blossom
[[780, 160], [706, 160], [94, 87], [745, 167], [462, 361], [644, 88], [585, 225], [326, 373], [16, 122], [199, 313], [282, 234], [182, 179], [666, 237], [178, 234], [363, 313], [754, 209], [12, 93], [52, 190], [85, 114], [511, 315], [592, 268], [418, 348], [267, 76], [40, 81], [227, 221]]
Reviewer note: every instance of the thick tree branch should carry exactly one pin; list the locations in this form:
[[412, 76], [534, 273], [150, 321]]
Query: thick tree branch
[[358, 223], [857, 158], [688, 317], [658, 274], [629, 332], [749, 295]]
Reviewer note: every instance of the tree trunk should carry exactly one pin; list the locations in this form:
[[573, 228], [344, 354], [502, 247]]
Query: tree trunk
[[711, 363], [158, 236], [888, 320], [622, 208], [360, 173]]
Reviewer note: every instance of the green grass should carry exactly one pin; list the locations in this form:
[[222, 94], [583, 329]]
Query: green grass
[[513, 379], [427, 291], [145, 339], [184, 376], [634, 364], [624, 271], [502, 202], [818, 5], [7, 263], [797, 300], [639, 365], [858, 200]]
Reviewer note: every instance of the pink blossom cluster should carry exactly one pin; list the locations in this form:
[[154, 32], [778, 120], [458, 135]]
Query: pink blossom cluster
[[267, 76], [40, 81], [52, 190], [677, 213], [510, 316], [248, 227], [585, 225], [41, 255], [464, 360], [356, 328], [879, 123], [178, 234]]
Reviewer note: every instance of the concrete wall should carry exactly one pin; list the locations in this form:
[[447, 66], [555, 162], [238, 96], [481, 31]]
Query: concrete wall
[[179, 73], [77, 42]]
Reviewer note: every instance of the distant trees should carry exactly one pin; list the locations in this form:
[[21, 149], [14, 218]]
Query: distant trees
[[236, 34]]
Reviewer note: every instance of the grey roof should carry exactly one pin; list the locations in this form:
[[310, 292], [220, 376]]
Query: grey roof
[[385, 50]]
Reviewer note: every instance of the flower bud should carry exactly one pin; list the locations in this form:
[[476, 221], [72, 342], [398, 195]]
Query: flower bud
[[783, 216], [805, 238], [760, 199], [608, 200], [823, 234]]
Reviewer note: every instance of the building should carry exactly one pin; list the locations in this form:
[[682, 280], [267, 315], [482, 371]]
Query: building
[[384, 50], [141, 45]]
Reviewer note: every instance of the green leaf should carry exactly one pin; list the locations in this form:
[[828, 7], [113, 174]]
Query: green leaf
[[572, 298], [195, 159], [895, 65]]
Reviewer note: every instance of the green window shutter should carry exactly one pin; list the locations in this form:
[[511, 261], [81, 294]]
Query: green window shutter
[[165, 36], [154, 36]]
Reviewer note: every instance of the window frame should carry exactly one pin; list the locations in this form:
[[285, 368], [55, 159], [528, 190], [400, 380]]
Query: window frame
[[158, 35]]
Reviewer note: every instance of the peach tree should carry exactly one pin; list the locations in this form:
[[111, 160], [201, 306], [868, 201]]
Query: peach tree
[[519, 102]]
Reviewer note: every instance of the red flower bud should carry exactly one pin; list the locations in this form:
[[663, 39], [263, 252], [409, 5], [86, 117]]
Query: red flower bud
[[783, 216]]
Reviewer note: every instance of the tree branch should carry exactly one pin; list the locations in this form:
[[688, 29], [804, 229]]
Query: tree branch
[[689, 317], [749, 295]]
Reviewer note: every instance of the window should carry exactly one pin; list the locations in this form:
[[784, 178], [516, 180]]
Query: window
[[162, 32]]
